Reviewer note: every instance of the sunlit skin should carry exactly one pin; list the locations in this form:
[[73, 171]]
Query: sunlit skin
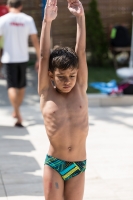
[[64, 106], [65, 113]]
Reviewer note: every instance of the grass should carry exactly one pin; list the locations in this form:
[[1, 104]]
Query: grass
[[101, 74]]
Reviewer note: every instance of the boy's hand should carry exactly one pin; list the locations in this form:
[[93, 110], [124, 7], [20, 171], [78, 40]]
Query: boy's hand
[[75, 7], [50, 12]]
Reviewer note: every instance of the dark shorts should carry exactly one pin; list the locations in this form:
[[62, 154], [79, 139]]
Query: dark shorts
[[16, 75]]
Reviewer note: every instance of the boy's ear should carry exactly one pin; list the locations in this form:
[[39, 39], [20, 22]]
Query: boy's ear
[[51, 75]]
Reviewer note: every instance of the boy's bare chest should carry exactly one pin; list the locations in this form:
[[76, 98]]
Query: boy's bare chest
[[62, 114], [68, 108]]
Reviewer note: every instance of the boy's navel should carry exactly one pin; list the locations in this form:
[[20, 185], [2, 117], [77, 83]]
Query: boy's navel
[[70, 148]]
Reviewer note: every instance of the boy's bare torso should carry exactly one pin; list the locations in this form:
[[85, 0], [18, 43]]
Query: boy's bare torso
[[66, 121]]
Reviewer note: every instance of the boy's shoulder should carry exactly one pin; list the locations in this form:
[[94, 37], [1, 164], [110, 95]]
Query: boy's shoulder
[[54, 93]]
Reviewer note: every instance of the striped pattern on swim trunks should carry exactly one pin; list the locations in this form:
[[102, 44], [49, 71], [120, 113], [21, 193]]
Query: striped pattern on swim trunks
[[66, 169]]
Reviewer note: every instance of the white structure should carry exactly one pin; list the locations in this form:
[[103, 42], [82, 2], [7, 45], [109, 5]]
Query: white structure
[[127, 72]]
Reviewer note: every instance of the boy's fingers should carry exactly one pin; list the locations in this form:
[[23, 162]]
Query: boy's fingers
[[55, 8], [69, 1], [51, 2], [69, 4], [48, 2], [55, 2], [73, 1]]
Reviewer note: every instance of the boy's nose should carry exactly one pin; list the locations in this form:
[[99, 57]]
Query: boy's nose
[[66, 80]]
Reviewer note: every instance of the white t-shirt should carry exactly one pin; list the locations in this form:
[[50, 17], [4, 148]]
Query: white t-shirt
[[15, 29]]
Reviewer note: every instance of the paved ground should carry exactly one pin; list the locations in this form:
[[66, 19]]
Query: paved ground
[[109, 174]]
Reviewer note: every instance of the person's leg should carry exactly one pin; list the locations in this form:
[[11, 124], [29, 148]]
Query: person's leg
[[16, 88], [16, 97], [15, 100], [20, 97], [1, 75], [21, 84], [74, 187], [53, 184], [21, 93]]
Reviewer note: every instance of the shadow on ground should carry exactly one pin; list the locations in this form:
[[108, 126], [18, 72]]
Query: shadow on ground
[[18, 167], [113, 115]]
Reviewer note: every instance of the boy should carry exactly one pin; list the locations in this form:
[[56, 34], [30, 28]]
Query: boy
[[62, 88]]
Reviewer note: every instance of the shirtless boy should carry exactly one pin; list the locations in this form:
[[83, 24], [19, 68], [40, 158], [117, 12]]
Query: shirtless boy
[[62, 88]]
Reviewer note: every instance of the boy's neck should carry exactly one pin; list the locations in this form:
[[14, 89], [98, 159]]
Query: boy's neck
[[60, 92]]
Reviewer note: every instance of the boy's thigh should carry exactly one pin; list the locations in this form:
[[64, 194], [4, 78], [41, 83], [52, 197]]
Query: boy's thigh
[[74, 187], [53, 184]]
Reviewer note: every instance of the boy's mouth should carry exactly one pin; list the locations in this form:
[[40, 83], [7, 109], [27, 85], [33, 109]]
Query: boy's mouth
[[66, 86]]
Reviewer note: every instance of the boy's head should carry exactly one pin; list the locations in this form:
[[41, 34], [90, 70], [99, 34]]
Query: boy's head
[[63, 58], [63, 68], [14, 3]]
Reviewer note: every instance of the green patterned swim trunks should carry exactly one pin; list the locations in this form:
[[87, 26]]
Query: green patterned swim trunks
[[66, 169]]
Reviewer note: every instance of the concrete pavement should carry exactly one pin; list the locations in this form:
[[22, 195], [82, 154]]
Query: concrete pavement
[[109, 174]]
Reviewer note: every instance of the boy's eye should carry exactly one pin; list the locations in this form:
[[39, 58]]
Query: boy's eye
[[72, 76], [60, 77]]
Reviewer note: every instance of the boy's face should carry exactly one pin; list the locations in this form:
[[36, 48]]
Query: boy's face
[[65, 80]]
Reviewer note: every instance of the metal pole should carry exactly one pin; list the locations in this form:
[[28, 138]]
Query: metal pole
[[43, 6]]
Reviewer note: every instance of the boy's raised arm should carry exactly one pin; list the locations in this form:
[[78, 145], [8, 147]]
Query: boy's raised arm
[[76, 8], [50, 14]]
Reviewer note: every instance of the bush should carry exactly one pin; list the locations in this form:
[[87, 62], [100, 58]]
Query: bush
[[96, 41]]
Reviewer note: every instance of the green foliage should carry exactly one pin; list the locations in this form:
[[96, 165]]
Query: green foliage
[[96, 41]]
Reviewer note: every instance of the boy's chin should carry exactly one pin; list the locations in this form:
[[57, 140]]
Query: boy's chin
[[64, 91]]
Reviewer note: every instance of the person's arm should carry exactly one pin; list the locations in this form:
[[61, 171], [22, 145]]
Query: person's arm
[[0, 41], [76, 8], [1, 46], [35, 42], [49, 15], [0, 50]]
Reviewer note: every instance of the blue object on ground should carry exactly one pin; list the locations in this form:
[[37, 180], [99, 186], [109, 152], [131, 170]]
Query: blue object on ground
[[105, 88]]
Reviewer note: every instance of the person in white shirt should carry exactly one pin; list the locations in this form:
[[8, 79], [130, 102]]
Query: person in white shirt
[[3, 11], [1, 46], [16, 27]]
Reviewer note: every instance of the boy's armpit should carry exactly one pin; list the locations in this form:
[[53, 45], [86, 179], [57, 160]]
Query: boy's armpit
[[42, 92]]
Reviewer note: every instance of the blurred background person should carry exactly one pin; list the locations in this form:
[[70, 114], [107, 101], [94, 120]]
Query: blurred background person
[[1, 47], [16, 27], [3, 11]]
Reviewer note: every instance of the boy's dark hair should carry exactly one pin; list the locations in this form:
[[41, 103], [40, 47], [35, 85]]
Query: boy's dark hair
[[14, 3], [63, 58]]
